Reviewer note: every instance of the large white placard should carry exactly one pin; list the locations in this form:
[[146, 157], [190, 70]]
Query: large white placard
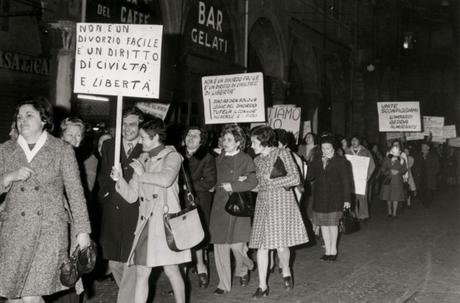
[[159, 110], [236, 98], [360, 165], [399, 116], [286, 117], [118, 59], [433, 126], [450, 131]]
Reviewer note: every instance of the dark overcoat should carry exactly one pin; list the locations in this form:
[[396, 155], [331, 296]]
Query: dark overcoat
[[225, 228], [201, 168], [332, 185], [34, 221], [429, 170], [118, 217]]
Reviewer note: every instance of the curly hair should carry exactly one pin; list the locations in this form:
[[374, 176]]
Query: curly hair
[[237, 132], [154, 126], [203, 134], [266, 135], [73, 121], [44, 108]]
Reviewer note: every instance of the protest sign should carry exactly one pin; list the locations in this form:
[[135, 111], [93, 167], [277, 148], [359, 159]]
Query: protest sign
[[450, 131], [392, 136], [454, 142], [359, 165], [236, 98], [118, 59], [399, 116], [286, 117], [158, 110], [433, 126], [414, 136]]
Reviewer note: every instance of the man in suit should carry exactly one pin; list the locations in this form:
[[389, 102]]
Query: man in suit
[[119, 217]]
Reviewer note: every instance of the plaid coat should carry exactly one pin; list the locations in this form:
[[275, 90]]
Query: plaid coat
[[33, 218]]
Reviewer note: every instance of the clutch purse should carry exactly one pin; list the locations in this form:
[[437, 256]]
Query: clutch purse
[[82, 261], [240, 204]]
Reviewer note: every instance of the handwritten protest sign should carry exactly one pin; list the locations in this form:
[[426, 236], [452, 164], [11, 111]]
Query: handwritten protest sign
[[415, 136], [450, 131], [399, 116], [392, 136], [158, 110], [286, 117], [454, 142], [233, 98], [359, 165], [433, 126], [118, 59]]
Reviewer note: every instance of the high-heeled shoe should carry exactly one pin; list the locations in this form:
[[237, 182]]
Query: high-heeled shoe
[[220, 291], [333, 257], [288, 283], [324, 258], [203, 280], [260, 293]]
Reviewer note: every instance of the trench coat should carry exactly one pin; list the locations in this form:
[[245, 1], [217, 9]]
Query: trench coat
[[118, 217], [225, 228], [34, 221], [155, 188]]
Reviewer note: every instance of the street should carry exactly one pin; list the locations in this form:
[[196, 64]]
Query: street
[[413, 258]]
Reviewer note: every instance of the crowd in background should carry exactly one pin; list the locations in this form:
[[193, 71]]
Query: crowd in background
[[302, 203]]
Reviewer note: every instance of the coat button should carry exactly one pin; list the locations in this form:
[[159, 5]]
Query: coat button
[[155, 196], [142, 199], [142, 218], [39, 213], [22, 188], [23, 213], [117, 207], [36, 188]]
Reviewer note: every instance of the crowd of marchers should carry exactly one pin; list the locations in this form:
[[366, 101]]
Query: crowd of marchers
[[60, 194]]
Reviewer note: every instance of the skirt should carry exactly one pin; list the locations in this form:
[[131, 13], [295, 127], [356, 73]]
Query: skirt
[[327, 219]]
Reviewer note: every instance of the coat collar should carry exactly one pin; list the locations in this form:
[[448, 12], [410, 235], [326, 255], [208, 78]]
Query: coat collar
[[30, 154]]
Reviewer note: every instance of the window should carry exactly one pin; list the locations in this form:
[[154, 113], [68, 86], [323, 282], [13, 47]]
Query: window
[[4, 12]]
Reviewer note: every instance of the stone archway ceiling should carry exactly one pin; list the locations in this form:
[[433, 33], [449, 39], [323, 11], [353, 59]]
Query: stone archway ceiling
[[262, 38]]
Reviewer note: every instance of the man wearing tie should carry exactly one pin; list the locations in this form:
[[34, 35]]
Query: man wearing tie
[[118, 217]]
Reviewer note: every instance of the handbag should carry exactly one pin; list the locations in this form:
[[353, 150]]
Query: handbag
[[183, 229], [348, 223], [81, 261], [278, 170], [240, 204]]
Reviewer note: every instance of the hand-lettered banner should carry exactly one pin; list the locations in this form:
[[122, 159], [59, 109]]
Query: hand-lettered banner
[[118, 59], [399, 116], [236, 98], [359, 166], [158, 110], [450, 131]]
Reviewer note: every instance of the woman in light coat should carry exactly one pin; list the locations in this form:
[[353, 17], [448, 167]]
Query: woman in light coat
[[155, 183], [35, 171]]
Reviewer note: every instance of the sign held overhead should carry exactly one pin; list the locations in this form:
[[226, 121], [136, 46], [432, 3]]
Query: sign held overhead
[[399, 116], [237, 98], [118, 59]]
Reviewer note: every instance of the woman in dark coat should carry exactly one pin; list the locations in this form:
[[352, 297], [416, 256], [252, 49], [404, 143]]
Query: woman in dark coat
[[393, 169], [235, 173], [35, 171], [429, 170], [201, 167], [331, 194]]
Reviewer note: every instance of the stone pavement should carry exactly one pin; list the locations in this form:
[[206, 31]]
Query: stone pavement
[[413, 258]]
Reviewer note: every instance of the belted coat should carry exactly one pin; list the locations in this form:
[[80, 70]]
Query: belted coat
[[33, 218], [156, 188]]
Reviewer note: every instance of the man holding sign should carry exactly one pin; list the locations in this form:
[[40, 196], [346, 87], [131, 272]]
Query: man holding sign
[[119, 218], [356, 149]]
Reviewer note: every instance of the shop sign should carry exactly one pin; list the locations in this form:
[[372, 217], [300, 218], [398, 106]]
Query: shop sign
[[24, 63], [399, 116], [118, 59], [123, 11], [208, 30]]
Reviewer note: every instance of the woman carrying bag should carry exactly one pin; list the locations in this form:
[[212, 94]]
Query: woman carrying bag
[[155, 183]]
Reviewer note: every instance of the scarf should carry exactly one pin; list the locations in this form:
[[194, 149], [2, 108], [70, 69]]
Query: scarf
[[30, 153]]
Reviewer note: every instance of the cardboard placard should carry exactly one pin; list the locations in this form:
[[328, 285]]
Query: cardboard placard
[[399, 116], [158, 110], [450, 131], [118, 59], [359, 165], [237, 98], [415, 136], [433, 126]]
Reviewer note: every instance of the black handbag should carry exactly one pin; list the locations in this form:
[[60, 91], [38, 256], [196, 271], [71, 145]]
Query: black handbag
[[240, 204], [82, 261], [183, 229], [278, 170], [348, 223]]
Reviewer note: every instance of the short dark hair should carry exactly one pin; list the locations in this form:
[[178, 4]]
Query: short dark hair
[[134, 111], [203, 133], [266, 135], [237, 133], [154, 126], [45, 109], [330, 139], [357, 137]]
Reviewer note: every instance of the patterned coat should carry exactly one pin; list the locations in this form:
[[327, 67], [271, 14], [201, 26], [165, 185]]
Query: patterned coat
[[34, 221], [277, 219], [225, 228], [155, 187]]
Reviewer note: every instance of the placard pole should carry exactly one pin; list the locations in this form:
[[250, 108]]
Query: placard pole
[[118, 131]]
